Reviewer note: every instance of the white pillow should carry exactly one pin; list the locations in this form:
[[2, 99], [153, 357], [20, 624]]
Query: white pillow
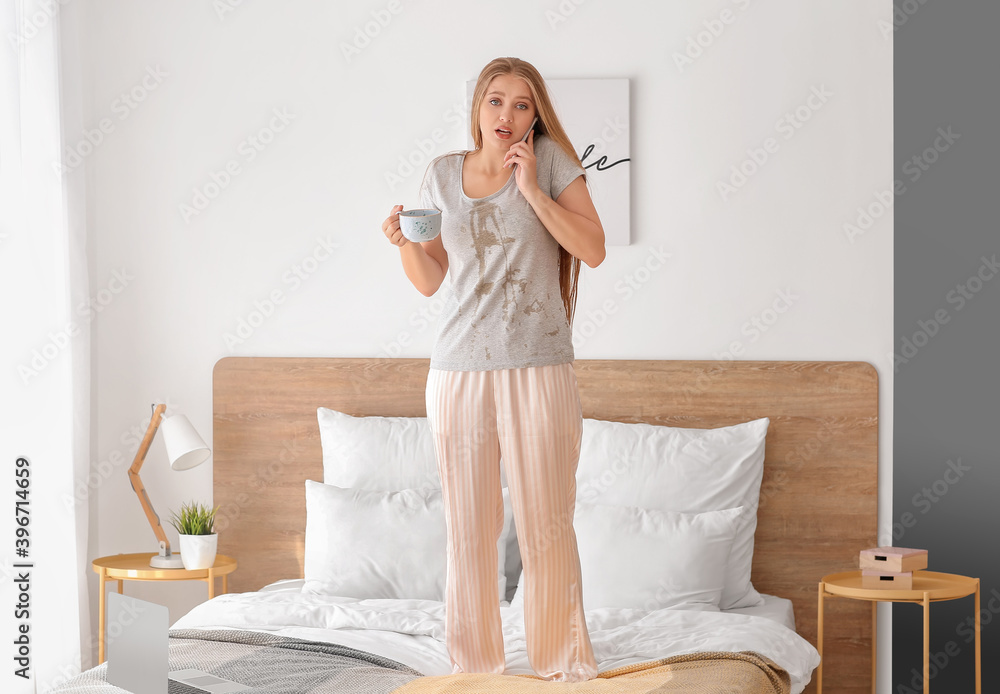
[[377, 453], [687, 470], [647, 559], [375, 544], [394, 453]]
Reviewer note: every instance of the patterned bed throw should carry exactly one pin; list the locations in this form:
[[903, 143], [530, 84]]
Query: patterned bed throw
[[268, 663], [281, 665], [697, 673]]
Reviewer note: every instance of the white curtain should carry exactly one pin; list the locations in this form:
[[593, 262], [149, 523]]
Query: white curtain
[[44, 355]]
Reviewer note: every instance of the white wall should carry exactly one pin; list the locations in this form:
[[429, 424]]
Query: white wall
[[214, 79]]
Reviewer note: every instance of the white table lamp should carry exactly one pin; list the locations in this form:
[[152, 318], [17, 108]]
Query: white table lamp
[[185, 450]]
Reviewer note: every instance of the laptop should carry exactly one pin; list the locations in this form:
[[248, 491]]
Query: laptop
[[138, 652]]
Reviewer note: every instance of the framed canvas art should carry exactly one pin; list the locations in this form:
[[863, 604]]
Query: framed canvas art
[[595, 114]]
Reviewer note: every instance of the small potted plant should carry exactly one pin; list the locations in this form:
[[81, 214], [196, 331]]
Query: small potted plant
[[195, 526]]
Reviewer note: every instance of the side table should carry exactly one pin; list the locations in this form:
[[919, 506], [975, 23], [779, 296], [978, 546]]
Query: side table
[[928, 587], [135, 567]]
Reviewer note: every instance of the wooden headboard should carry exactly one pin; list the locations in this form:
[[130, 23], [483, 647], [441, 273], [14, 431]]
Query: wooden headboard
[[818, 498]]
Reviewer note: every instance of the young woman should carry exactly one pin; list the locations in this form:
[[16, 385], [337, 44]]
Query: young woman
[[517, 219]]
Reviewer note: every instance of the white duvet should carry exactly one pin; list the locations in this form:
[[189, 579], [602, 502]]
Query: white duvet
[[412, 631]]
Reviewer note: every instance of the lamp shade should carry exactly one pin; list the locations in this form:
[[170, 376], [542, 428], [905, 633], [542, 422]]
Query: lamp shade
[[185, 449]]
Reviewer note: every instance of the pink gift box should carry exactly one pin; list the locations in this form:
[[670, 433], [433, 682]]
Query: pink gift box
[[893, 559], [880, 579]]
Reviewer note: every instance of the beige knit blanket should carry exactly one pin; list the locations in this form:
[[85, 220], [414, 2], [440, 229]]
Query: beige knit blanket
[[696, 673]]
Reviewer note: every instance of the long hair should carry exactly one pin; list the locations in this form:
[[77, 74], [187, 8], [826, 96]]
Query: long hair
[[548, 124]]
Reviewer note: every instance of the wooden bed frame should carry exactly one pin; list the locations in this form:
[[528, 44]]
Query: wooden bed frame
[[818, 498]]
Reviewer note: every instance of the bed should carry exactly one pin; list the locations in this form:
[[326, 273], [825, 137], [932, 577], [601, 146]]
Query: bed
[[284, 625]]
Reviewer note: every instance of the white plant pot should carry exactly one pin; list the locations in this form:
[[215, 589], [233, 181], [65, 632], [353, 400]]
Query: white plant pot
[[198, 551]]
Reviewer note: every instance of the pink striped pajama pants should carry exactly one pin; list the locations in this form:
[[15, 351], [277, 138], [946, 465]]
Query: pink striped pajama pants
[[532, 417]]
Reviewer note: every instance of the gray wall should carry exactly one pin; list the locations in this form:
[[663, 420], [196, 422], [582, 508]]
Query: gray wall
[[947, 306]]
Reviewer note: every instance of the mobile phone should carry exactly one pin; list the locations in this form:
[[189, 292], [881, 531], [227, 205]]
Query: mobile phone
[[528, 132], [525, 138]]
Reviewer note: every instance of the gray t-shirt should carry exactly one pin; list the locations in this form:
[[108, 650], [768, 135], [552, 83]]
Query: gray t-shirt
[[503, 309]]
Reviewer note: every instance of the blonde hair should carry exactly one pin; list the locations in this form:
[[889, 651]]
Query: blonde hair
[[549, 125]]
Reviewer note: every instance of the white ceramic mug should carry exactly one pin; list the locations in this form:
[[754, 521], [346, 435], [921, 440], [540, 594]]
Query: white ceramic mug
[[420, 225]]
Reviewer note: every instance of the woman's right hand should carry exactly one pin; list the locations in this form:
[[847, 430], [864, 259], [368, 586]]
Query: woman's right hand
[[390, 227]]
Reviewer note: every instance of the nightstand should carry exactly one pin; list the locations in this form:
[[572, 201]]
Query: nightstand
[[135, 567], [928, 587]]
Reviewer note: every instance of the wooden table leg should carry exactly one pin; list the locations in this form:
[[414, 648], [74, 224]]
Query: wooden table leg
[[927, 643], [819, 640], [211, 584], [121, 587], [979, 664], [874, 644], [225, 583], [100, 618]]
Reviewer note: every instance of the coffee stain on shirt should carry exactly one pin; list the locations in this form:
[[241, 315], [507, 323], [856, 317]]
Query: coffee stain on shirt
[[487, 231], [534, 307]]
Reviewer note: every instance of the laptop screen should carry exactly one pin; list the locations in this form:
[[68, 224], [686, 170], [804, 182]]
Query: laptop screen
[[137, 644], [137, 634]]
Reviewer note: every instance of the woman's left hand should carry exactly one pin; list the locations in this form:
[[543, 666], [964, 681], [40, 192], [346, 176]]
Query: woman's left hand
[[523, 154]]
